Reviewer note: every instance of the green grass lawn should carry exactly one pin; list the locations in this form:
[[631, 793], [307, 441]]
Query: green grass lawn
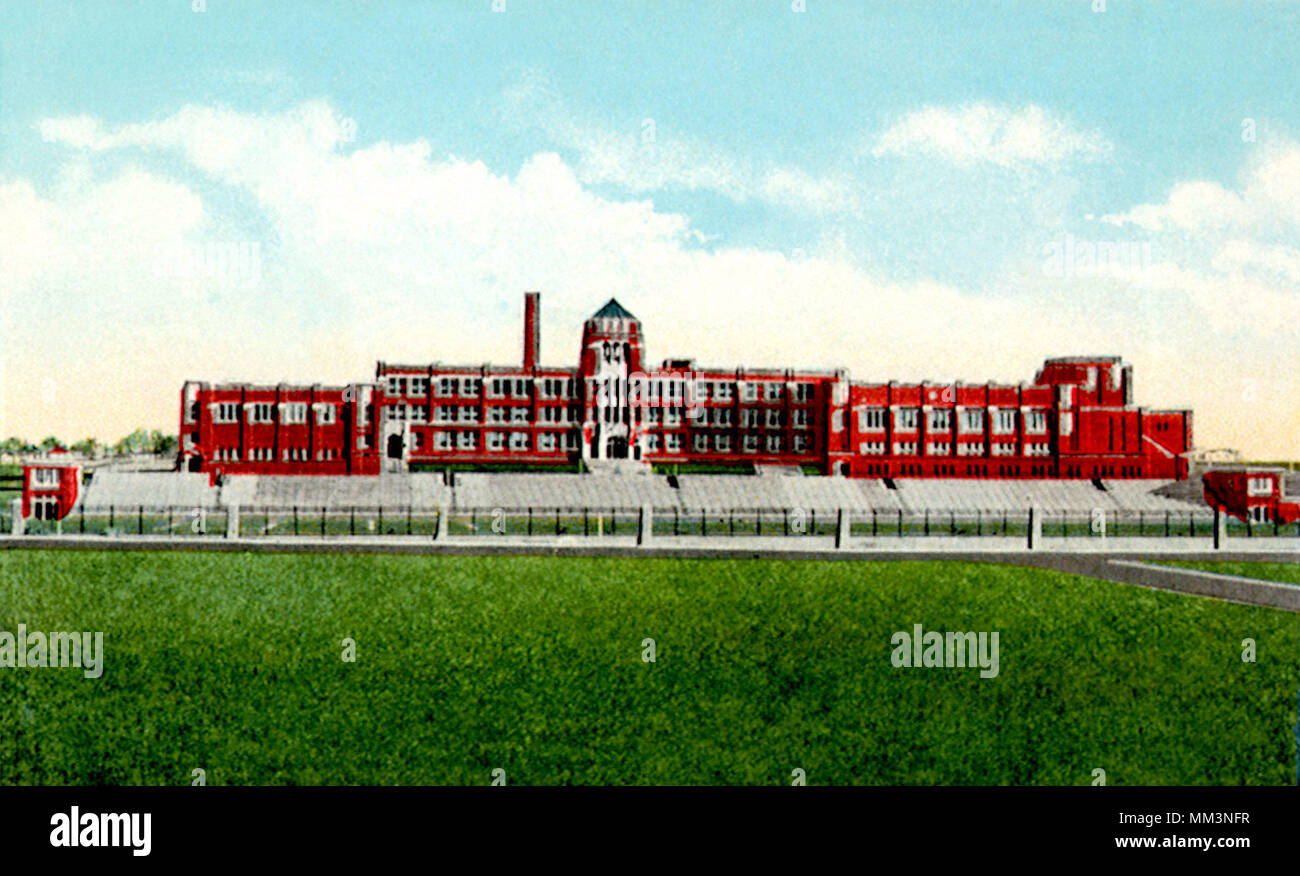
[[231, 662], [1285, 573]]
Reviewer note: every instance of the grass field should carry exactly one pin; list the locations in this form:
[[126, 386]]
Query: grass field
[[232, 663]]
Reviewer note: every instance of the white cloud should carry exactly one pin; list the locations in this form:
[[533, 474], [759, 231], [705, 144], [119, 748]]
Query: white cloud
[[981, 133], [1268, 201], [649, 157]]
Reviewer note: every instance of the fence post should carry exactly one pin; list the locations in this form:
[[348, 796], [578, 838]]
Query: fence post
[[441, 532], [1035, 528], [139, 520], [295, 519], [232, 521], [1220, 528], [900, 522], [322, 520], [841, 529], [645, 525], [16, 516]]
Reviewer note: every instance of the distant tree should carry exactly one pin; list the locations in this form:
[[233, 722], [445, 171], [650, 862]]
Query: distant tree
[[12, 446], [88, 447], [50, 443], [163, 445]]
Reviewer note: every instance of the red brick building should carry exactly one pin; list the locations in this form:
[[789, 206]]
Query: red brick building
[[1077, 419]]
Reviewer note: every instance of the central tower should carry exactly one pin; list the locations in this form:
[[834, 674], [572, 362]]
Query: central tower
[[610, 357]]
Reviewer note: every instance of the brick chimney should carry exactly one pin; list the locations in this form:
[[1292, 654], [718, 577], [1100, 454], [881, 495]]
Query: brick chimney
[[532, 329]]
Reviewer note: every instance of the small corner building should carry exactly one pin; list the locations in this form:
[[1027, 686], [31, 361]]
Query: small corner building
[[1251, 494], [1076, 419], [50, 488]]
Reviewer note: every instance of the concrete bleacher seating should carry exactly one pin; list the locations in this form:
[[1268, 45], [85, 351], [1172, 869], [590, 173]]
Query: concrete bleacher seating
[[306, 491], [557, 490], [720, 492], [713, 492], [123, 489]]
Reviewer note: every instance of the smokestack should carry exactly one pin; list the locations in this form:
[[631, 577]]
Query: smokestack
[[532, 329]]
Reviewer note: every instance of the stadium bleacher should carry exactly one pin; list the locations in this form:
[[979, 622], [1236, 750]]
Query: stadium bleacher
[[713, 492]]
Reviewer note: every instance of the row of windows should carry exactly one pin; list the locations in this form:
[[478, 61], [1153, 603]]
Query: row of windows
[[515, 442], [290, 413], [396, 385], [267, 454], [970, 420], [548, 415], [944, 448], [672, 443]]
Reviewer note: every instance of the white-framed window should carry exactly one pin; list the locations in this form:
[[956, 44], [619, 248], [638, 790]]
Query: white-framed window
[[393, 385], [802, 418], [700, 443], [546, 442], [722, 443], [495, 441], [673, 442], [672, 417], [775, 418], [225, 412], [723, 392], [937, 448], [519, 414], [939, 420], [1035, 422], [44, 478], [326, 414], [723, 416], [261, 412], [442, 440], [1004, 421], [396, 412], [972, 420], [419, 387], [293, 413], [1038, 450], [800, 444], [750, 444], [773, 443], [1002, 448], [748, 418], [447, 386], [749, 391], [652, 443], [905, 419], [468, 414], [518, 441], [467, 440], [970, 448], [871, 419], [773, 391], [871, 448], [905, 448], [804, 392], [1259, 486]]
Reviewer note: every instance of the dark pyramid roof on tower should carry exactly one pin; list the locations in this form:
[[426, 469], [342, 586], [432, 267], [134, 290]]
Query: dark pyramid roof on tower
[[612, 310]]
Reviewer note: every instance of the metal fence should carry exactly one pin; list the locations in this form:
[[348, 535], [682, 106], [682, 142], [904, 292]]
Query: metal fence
[[257, 521]]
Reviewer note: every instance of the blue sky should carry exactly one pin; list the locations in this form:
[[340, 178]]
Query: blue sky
[[911, 162]]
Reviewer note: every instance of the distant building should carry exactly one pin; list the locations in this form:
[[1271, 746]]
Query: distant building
[[1075, 420]]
